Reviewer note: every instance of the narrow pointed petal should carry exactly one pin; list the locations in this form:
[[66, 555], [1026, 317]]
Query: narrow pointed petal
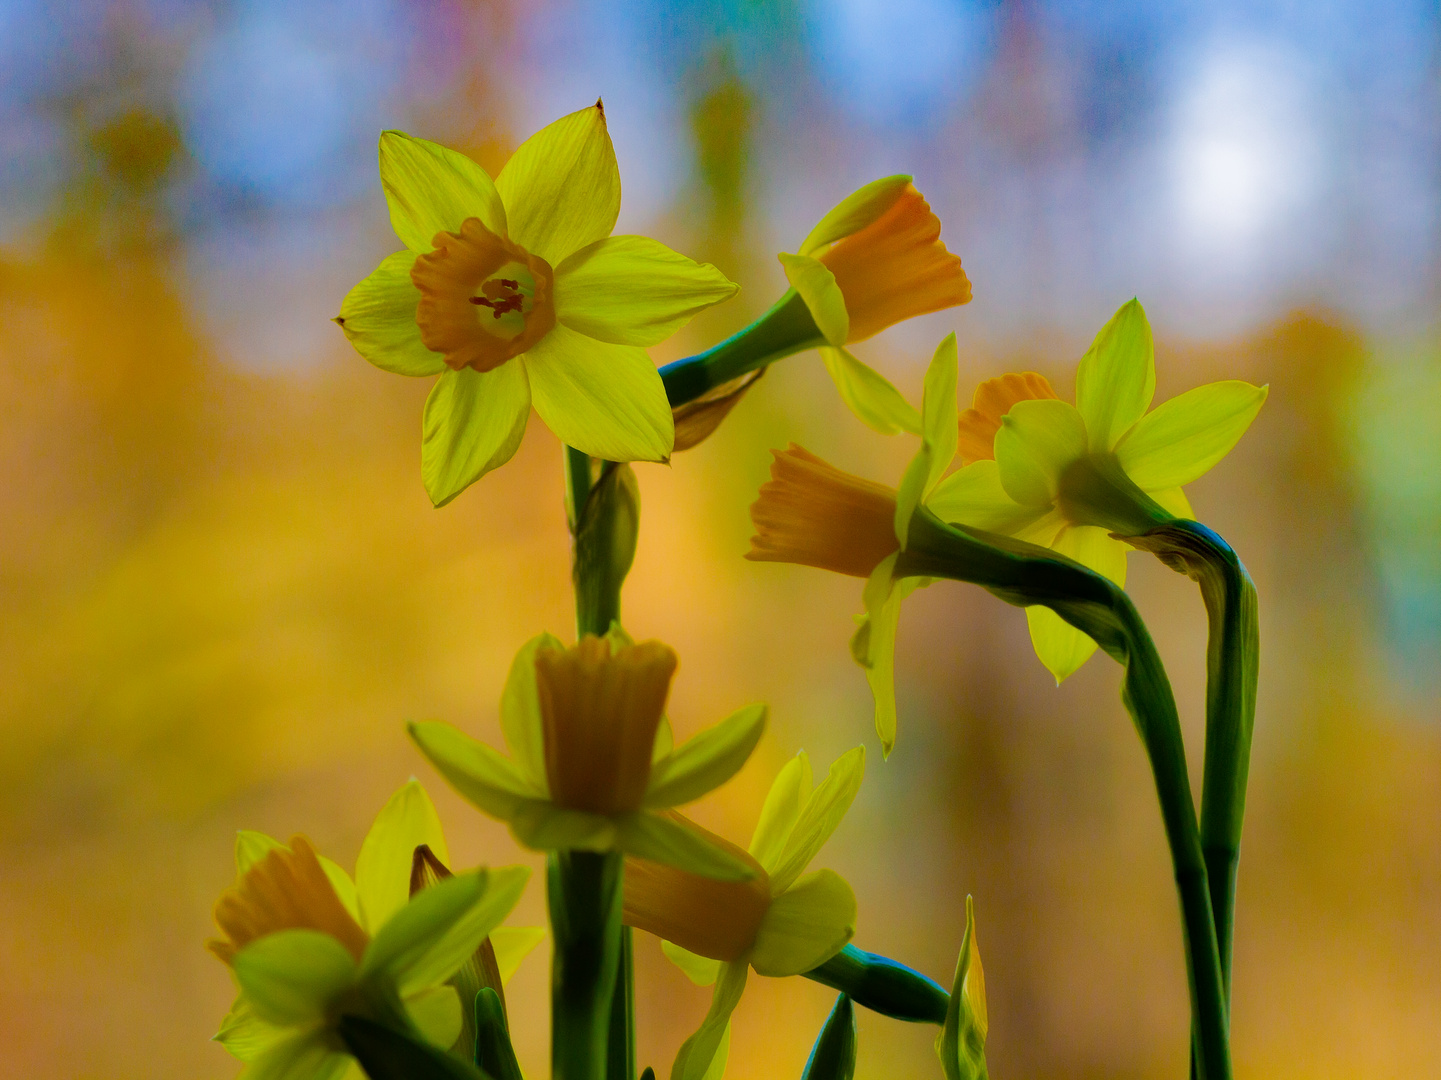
[[820, 816], [605, 400], [855, 212], [481, 774], [378, 318], [435, 1011], [432, 189], [1174, 500], [244, 1034], [940, 430], [631, 290], [662, 839], [512, 944], [542, 826], [292, 976], [520, 721], [561, 187], [782, 809], [473, 423], [1037, 441], [974, 496], [817, 287], [1058, 644], [870, 395], [1183, 438], [1117, 377], [699, 1051], [873, 645], [707, 761], [306, 1056], [701, 970], [382, 871], [251, 847], [805, 925]]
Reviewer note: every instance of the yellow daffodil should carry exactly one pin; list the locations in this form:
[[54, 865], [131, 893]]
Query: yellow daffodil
[[516, 294], [778, 922], [874, 260], [307, 944], [1046, 455], [1034, 461], [591, 765]]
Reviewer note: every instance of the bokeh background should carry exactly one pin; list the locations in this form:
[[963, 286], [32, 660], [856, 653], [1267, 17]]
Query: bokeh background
[[222, 588]]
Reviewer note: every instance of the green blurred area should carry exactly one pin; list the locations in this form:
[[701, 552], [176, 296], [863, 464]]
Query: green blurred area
[[222, 592]]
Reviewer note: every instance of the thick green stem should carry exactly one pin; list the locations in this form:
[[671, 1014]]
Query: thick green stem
[[785, 329], [1232, 668], [620, 1059], [584, 895], [1024, 574]]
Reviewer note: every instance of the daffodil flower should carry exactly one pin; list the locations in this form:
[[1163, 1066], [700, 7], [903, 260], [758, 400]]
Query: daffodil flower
[[591, 765], [308, 945], [874, 260], [780, 922], [1035, 462], [516, 294]]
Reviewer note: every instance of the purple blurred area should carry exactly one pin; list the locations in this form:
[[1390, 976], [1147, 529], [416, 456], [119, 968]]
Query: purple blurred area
[[222, 588]]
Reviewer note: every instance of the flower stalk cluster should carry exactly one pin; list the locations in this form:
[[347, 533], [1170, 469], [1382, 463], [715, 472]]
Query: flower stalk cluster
[[514, 293]]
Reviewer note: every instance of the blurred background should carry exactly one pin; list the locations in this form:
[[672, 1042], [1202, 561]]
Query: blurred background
[[222, 588]]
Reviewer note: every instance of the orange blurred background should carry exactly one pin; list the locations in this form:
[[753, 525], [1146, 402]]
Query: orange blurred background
[[222, 588]]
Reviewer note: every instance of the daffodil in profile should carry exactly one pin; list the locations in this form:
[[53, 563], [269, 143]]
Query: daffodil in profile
[[592, 767], [782, 921], [874, 260], [308, 945], [517, 295]]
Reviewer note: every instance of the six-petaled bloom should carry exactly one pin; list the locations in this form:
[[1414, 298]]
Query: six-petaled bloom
[[309, 945], [592, 767], [516, 294], [779, 922]]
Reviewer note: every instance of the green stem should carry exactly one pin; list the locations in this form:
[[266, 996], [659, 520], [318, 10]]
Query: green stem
[[883, 985], [785, 329], [620, 1058], [584, 895], [1232, 668], [1024, 574]]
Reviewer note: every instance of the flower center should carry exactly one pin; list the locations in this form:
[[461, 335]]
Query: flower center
[[483, 299]]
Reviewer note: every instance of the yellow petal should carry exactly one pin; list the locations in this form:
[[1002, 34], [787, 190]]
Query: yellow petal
[[855, 212], [806, 925], [561, 187], [1058, 644], [378, 318], [974, 496], [708, 760], [432, 189], [480, 773], [699, 1052], [870, 395], [512, 944], [701, 970], [435, 1011], [938, 435], [291, 977], [817, 287], [1183, 438], [382, 871], [1037, 441], [1117, 377], [1174, 500], [520, 721], [473, 424], [631, 290], [819, 817], [782, 809]]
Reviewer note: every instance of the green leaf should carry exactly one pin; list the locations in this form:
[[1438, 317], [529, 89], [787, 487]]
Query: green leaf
[[382, 872], [805, 925], [1117, 377], [631, 290], [432, 189], [292, 976], [707, 761], [473, 423], [782, 809], [605, 400], [962, 1042], [1183, 438], [819, 817], [378, 318], [834, 1055], [854, 212], [698, 1052], [661, 839], [817, 287], [1037, 441], [479, 772], [561, 187], [386, 1054], [870, 395]]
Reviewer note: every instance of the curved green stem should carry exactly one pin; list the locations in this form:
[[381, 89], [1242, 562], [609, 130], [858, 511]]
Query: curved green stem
[[884, 985], [1024, 574]]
